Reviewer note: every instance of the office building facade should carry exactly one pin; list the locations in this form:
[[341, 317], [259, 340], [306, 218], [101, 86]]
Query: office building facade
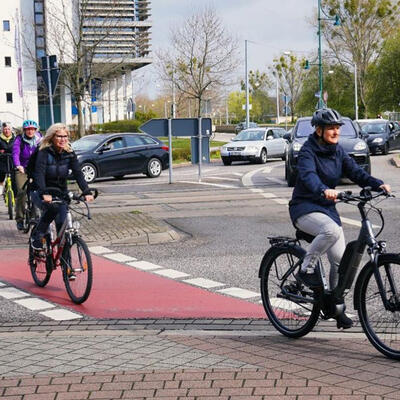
[[116, 41]]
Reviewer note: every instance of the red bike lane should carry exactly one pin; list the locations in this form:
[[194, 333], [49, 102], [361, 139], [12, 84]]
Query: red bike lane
[[123, 292]]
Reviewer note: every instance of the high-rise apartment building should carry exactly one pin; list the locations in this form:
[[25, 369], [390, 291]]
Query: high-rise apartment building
[[116, 41]]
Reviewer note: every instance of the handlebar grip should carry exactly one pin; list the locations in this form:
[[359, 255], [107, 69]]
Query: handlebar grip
[[344, 195]]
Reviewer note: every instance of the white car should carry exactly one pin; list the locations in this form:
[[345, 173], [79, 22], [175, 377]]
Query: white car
[[255, 145]]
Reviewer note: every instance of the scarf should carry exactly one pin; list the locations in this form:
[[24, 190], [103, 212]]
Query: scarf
[[30, 141], [5, 138]]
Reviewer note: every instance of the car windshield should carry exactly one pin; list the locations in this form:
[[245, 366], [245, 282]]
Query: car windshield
[[304, 128], [249, 136], [377, 127], [86, 143]]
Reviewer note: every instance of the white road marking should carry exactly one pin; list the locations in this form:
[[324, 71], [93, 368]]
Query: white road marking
[[221, 178], [12, 293], [144, 265], [100, 250], [210, 184], [237, 173], [61, 315], [281, 201], [205, 283], [171, 273], [119, 257], [268, 195], [238, 292], [34, 304], [256, 190]]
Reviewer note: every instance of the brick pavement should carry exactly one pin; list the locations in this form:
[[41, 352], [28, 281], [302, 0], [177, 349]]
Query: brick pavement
[[161, 364], [104, 227]]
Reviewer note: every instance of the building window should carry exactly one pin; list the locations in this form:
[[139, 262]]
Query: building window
[[7, 61], [6, 25], [9, 97]]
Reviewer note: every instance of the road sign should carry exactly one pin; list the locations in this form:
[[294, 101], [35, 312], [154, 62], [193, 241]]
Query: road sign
[[54, 72], [317, 94], [180, 127], [286, 109], [244, 106]]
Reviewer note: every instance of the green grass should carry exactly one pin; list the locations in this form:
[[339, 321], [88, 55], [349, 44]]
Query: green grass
[[181, 149]]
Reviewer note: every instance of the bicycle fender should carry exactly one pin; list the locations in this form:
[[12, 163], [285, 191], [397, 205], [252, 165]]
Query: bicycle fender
[[273, 250], [369, 265]]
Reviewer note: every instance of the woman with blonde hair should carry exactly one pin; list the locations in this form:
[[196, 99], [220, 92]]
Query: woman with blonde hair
[[54, 162]]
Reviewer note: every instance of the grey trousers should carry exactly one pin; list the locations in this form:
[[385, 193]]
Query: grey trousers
[[329, 239], [20, 180]]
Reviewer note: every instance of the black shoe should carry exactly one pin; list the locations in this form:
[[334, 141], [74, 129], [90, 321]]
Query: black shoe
[[343, 321], [36, 243], [20, 225], [312, 280]]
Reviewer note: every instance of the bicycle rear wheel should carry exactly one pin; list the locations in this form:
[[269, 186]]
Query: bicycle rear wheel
[[77, 270], [40, 263], [381, 325], [292, 317], [10, 205]]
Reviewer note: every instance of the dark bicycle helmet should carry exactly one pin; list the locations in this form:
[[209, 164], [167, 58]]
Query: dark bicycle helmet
[[326, 116], [29, 123]]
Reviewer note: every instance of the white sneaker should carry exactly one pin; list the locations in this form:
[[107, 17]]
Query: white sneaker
[[1, 190]]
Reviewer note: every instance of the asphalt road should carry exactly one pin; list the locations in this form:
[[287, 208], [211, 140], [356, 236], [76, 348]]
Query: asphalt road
[[225, 219]]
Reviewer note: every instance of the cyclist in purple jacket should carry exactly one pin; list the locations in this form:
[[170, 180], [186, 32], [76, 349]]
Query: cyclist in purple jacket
[[23, 148]]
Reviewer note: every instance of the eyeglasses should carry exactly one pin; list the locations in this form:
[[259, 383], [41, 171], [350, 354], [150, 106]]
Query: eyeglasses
[[61, 137]]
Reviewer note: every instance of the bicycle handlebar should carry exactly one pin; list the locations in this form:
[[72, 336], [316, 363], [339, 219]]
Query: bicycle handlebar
[[364, 196]]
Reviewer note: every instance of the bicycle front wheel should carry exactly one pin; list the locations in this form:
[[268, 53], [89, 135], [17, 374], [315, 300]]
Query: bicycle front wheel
[[381, 324], [289, 306], [10, 205], [40, 263], [77, 270]]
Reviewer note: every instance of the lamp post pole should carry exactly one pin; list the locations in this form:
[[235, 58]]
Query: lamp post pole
[[320, 100], [247, 86], [355, 90]]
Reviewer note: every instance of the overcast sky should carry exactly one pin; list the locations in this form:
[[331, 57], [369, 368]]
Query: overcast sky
[[274, 26]]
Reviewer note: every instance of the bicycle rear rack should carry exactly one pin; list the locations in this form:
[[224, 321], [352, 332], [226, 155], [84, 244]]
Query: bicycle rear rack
[[282, 241]]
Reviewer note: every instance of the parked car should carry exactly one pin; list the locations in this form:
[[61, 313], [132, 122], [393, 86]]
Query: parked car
[[119, 154], [349, 139], [380, 134], [255, 145], [242, 125]]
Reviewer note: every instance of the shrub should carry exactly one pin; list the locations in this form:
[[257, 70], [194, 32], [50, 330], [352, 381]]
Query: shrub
[[181, 154]]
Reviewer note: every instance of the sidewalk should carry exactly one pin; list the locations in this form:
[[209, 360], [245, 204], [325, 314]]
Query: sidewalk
[[104, 227], [114, 360]]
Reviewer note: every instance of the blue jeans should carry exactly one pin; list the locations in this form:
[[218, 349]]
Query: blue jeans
[[50, 212], [329, 239]]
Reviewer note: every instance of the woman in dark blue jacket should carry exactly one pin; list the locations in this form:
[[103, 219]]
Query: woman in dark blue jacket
[[54, 162], [321, 164]]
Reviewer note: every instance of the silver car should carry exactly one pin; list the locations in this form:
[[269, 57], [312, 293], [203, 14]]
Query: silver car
[[255, 145]]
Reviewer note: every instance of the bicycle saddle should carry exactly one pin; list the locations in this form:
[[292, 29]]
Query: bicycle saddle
[[300, 235]]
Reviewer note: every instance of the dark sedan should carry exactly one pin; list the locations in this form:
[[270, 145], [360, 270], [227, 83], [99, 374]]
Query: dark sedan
[[349, 140], [119, 154], [381, 135]]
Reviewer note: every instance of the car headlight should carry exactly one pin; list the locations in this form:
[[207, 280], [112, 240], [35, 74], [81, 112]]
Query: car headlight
[[360, 146], [377, 140], [297, 146], [253, 148]]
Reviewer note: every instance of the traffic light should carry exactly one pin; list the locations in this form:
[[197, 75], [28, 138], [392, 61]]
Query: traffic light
[[306, 64]]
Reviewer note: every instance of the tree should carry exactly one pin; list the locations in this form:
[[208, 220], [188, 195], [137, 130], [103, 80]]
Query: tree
[[359, 39], [259, 86], [202, 56], [384, 78], [339, 86], [291, 73]]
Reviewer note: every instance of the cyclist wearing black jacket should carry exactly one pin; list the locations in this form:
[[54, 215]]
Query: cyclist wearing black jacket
[[54, 162], [6, 143]]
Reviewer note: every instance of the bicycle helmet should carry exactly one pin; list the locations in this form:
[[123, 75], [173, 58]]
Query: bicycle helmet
[[29, 123], [326, 116]]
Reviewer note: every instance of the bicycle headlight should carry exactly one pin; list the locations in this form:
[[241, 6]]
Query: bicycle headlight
[[377, 140], [361, 145], [76, 225], [297, 146]]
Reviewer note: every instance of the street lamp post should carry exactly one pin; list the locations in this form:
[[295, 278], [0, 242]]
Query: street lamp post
[[246, 86], [320, 100]]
